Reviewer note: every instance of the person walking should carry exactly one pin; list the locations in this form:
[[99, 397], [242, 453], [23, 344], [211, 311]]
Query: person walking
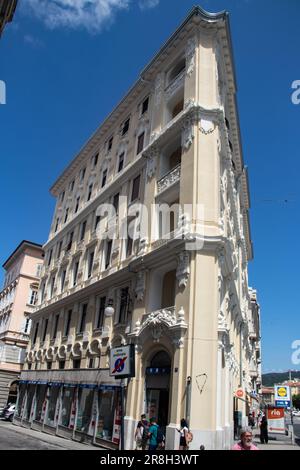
[[246, 441], [153, 430], [141, 433], [184, 429], [264, 437]]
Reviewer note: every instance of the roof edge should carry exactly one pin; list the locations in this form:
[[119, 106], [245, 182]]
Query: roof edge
[[23, 244]]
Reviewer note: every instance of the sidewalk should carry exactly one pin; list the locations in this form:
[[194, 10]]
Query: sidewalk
[[276, 442], [65, 444]]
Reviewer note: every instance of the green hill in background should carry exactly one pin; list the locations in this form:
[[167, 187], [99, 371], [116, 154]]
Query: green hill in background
[[268, 380]]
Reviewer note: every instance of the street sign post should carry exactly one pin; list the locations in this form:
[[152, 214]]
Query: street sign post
[[122, 365]]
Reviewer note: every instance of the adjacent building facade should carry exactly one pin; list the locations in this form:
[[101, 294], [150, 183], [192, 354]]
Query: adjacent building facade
[[122, 267], [7, 10], [17, 300]]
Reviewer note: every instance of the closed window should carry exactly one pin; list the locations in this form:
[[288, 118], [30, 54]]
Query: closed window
[[82, 174], [125, 126], [35, 333], [66, 215], [82, 232], [77, 205], [33, 297], [68, 323], [124, 304], [116, 203], [135, 188], [95, 160], [140, 143], [82, 318], [45, 329], [63, 278], [69, 245], [90, 263], [55, 326], [108, 253], [121, 162], [104, 177], [90, 192], [75, 272], [145, 105], [100, 312], [56, 225], [109, 145]]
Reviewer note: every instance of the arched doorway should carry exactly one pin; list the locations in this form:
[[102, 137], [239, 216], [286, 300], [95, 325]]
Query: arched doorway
[[158, 387]]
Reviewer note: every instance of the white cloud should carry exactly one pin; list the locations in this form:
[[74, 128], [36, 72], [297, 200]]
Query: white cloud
[[147, 4], [33, 41], [92, 15]]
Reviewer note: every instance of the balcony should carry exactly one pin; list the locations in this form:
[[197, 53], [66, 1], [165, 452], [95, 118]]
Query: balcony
[[172, 177], [176, 84]]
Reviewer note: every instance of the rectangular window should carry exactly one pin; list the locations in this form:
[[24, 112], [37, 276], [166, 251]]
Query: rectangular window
[[61, 364], [69, 246], [39, 268], [121, 162], [45, 329], [27, 326], [125, 126], [104, 176], [77, 205], [63, 278], [90, 191], [90, 263], [55, 326], [33, 297], [56, 225], [35, 332], [82, 174], [97, 221], [66, 215], [75, 273], [129, 246], [135, 188], [59, 248], [145, 105], [109, 145], [108, 254], [140, 143], [95, 159], [71, 187], [116, 203], [82, 233], [52, 286], [83, 318], [43, 291], [124, 305], [49, 365], [62, 196], [91, 362], [50, 257], [100, 313], [68, 323]]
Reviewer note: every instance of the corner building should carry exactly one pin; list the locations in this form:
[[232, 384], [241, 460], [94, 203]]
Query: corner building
[[178, 291]]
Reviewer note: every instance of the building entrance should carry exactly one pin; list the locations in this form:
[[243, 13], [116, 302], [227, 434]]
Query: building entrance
[[157, 388]]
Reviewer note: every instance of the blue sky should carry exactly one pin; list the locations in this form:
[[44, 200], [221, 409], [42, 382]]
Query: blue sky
[[65, 72]]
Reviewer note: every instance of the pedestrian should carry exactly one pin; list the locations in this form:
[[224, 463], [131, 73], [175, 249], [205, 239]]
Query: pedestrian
[[141, 433], [184, 429], [153, 430], [264, 437], [246, 441], [251, 421]]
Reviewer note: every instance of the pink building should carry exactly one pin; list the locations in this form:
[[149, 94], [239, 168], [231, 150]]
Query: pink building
[[17, 300]]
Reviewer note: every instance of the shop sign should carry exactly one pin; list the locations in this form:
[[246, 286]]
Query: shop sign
[[239, 393], [122, 361], [276, 420]]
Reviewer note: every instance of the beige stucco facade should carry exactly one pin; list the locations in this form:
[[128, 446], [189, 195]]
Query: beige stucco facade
[[180, 291], [17, 300]]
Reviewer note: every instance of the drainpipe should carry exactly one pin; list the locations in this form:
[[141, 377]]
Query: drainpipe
[[188, 399]]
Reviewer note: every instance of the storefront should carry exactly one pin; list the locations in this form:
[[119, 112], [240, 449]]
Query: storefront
[[82, 411]]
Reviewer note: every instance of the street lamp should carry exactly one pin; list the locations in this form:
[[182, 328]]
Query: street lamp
[[109, 310]]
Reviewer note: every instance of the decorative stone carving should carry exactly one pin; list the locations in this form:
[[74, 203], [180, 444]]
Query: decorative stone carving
[[143, 246], [170, 178], [140, 285], [187, 133], [158, 89], [180, 317], [190, 56], [151, 162], [206, 126], [183, 268]]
